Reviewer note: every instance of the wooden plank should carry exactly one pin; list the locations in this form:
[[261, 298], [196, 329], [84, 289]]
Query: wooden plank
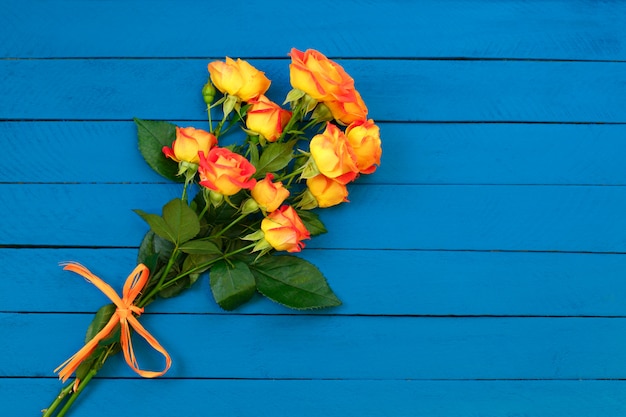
[[369, 283], [413, 153], [336, 347], [518, 91], [515, 113], [480, 29], [375, 398], [546, 218]]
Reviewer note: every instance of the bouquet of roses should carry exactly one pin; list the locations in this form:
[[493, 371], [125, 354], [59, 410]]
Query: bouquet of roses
[[242, 206]]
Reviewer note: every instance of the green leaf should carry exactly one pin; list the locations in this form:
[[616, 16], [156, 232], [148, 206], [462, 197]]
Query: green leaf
[[232, 284], [102, 317], [312, 222], [158, 225], [195, 262], [85, 366], [152, 137], [163, 247], [182, 220], [200, 247], [152, 249], [100, 320], [254, 154], [146, 249], [114, 337], [180, 285], [176, 288], [275, 156], [293, 282], [178, 224]]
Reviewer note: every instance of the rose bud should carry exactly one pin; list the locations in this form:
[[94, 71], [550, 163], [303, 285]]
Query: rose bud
[[333, 155], [284, 230], [269, 195], [327, 192], [348, 111], [188, 143], [238, 78], [319, 77], [267, 118], [364, 137]]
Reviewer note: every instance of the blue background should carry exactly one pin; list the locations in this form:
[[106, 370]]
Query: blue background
[[482, 267]]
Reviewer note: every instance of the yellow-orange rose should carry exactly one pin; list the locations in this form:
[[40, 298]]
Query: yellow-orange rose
[[364, 137], [269, 195], [225, 172], [348, 111], [284, 230], [267, 118], [238, 78], [188, 143], [333, 155], [319, 77], [327, 191]]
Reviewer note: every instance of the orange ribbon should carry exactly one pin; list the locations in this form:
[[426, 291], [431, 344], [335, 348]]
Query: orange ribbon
[[123, 315]]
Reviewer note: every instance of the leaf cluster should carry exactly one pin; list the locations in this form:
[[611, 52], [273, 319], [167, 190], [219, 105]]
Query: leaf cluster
[[204, 234], [189, 243]]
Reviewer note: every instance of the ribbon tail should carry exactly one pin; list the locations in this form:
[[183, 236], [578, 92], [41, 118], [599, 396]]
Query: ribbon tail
[[129, 353], [127, 346], [95, 280], [67, 368]]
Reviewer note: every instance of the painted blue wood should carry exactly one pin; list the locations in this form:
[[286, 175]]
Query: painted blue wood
[[489, 280], [468, 153], [337, 347], [372, 282], [541, 218], [394, 90], [335, 398], [562, 29]]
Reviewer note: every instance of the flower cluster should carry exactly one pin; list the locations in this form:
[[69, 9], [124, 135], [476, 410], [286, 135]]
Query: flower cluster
[[323, 100], [243, 205]]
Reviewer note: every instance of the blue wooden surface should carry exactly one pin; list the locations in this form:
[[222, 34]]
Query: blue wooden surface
[[482, 268]]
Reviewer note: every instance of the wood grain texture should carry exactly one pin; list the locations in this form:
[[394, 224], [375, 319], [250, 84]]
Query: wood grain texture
[[479, 29], [542, 218], [336, 347], [474, 153], [338, 398], [372, 282], [518, 91], [481, 267]]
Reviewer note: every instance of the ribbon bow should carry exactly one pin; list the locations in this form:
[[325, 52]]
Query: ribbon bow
[[123, 315]]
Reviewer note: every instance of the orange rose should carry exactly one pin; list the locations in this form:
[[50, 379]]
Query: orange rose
[[269, 195], [364, 137], [348, 111], [327, 191], [225, 172], [319, 77], [238, 78], [189, 142], [333, 155], [267, 118], [284, 230]]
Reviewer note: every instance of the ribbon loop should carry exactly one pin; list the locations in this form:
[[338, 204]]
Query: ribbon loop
[[124, 315]]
